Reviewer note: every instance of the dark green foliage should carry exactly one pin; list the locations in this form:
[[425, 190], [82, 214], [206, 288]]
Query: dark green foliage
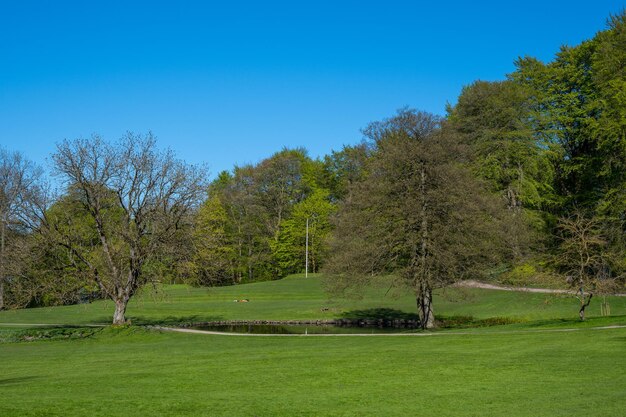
[[344, 168], [493, 118], [578, 109], [551, 139]]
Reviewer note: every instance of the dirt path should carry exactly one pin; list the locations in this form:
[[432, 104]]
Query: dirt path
[[426, 334], [483, 285]]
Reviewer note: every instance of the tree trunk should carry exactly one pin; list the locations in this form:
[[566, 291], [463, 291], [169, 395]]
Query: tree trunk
[[425, 308], [119, 317], [425, 296], [583, 305]]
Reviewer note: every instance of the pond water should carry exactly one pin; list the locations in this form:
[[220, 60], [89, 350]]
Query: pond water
[[299, 329]]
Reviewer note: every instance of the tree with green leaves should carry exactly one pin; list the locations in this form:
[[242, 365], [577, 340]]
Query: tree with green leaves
[[214, 254], [418, 214], [289, 249], [344, 168], [609, 78], [577, 113], [244, 226], [493, 119]]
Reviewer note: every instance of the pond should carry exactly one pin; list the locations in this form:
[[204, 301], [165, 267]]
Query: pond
[[299, 329]]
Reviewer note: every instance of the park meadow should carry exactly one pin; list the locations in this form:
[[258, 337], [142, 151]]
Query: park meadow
[[465, 264]]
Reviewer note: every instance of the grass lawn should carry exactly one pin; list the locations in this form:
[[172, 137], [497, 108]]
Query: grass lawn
[[141, 372], [516, 370], [297, 297]]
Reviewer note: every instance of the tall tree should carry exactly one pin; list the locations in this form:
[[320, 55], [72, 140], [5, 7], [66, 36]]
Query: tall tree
[[289, 249], [136, 198], [279, 185], [214, 254], [565, 107], [493, 117], [344, 168], [254, 204], [418, 213], [609, 78], [19, 185], [577, 110]]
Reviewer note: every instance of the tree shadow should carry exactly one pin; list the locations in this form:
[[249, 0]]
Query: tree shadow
[[17, 380], [575, 322], [466, 322], [173, 320], [386, 314]]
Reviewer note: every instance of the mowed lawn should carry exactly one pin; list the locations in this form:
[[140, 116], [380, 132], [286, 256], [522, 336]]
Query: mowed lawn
[[531, 368], [139, 372], [297, 297]]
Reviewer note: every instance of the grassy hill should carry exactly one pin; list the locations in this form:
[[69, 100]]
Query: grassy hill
[[297, 297], [522, 369]]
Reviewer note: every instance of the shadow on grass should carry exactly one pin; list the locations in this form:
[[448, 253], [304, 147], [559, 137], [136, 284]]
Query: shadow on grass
[[576, 322], [18, 380], [50, 333], [459, 322], [173, 320], [465, 322], [379, 314]]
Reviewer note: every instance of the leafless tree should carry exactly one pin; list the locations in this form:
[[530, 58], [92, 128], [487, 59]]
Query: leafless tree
[[134, 201], [19, 180], [584, 256]]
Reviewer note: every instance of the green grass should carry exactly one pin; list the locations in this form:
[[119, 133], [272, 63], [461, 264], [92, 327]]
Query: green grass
[[297, 297], [140, 372], [520, 369]]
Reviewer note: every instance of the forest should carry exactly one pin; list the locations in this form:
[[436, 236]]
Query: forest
[[522, 181]]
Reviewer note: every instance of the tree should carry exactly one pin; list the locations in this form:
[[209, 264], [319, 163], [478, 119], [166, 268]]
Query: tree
[[289, 248], [246, 224], [53, 277], [244, 237], [418, 213], [493, 118], [279, 185], [214, 260], [136, 200], [19, 184], [585, 256], [344, 168], [565, 108], [577, 104]]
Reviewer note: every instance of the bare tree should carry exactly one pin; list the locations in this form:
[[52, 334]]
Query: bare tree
[[584, 256], [19, 179], [134, 199]]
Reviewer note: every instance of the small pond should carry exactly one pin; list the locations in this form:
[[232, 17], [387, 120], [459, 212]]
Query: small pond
[[299, 329]]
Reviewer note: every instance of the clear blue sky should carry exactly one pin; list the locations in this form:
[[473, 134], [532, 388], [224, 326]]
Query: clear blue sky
[[232, 82]]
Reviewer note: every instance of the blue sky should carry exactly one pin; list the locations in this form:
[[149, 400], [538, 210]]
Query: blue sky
[[228, 83]]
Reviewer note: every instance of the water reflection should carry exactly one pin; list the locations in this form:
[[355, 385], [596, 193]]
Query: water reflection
[[298, 329]]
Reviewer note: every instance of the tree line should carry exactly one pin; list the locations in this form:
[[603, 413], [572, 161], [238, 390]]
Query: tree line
[[522, 177]]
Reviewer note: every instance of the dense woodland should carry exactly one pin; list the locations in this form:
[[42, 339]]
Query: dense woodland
[[522, 181]]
